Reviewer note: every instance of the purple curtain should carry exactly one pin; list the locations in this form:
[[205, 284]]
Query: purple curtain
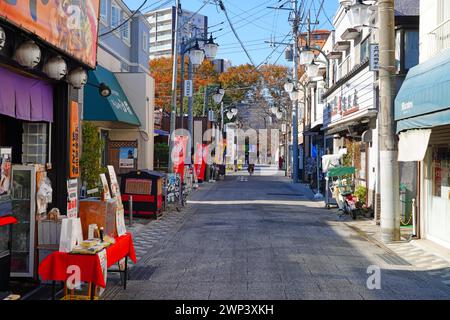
[[25, 98]]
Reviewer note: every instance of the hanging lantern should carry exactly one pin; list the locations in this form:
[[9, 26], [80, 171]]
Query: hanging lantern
[[28, 54], [218, 95], [77, 78], [2, 38], [288, 87], [230, 115], [358, 14], [274, 110], [306, 57], [293, 95], [234, 110], [312, 70], [279, 114], [211, 48], [55, 68], [196, 55]]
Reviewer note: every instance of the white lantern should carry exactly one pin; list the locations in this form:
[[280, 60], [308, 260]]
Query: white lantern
[[345, 3], [293, 95], [196, 55], [288, 87], [28, 54], [279, 114], [77, 78], [306, 57], [274, 110], [218, 96], [312, 70], [230, 115], [210, 48], [234, 111], [55, 68], [2, 38], [358, 14]]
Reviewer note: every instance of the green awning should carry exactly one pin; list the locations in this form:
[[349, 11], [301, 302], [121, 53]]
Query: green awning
[[116, 107], [424, 98], [340, 171]]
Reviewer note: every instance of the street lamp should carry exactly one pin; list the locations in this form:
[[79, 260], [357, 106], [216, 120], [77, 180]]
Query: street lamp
[[196, 55], [288, 87], [218, 95], [234, 111], [306, 56], [293, 95], [210, 48], [230, 115], [359, 12], [312, 70], [274, 109]]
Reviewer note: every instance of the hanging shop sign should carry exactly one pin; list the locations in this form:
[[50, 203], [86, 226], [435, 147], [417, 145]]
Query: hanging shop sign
[[188, 90], [69, 25], [178, 155], [374, 57], [74, 148]]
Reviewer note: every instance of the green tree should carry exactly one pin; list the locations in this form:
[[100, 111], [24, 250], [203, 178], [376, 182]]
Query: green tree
[[90, 161]]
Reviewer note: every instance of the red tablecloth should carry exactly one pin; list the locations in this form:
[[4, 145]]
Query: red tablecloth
[[54, 266], [7, 220]]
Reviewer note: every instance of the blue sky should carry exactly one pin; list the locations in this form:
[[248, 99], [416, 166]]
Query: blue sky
[[254, 24]]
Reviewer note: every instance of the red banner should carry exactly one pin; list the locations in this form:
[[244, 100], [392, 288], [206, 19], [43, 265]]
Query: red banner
[[178, 155], [69, 25], [200, 161]]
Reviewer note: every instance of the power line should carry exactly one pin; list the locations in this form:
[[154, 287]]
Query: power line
[[121, 24], [234, 31]]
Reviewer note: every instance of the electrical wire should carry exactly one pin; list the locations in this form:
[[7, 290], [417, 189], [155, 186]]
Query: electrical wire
[[125, 21], [234, 31]]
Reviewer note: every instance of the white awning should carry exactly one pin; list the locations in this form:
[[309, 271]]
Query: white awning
[[330, 160], [412, 144]]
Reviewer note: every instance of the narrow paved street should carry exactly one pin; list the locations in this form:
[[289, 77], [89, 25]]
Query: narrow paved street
[[261, 237]]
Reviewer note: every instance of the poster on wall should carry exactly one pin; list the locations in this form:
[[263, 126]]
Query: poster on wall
[[74, 148], [127, 157], [5, 170], [69, 25], [72, 198]]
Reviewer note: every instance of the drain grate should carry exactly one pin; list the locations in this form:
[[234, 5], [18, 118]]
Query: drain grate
[[142, 272], [286, 194], [393, 260]]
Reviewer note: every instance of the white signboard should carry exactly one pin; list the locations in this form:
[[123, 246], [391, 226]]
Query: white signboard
[[374, 57], [72, 198], [188, 89], [115, 190], [104, 265]]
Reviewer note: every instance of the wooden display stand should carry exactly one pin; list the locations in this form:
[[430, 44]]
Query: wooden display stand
[[101, 213]]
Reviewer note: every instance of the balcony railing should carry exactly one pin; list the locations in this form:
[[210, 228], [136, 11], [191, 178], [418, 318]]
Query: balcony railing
[[438, 39], [344, 67]]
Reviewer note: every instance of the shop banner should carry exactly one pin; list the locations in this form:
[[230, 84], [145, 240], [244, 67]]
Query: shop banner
[[201, 155], [72, 198], [74, 148], [69, 25], [178, 154]]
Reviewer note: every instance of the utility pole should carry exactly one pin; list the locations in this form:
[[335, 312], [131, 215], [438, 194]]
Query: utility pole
[[389, 172], [173, 111], [295, 103]]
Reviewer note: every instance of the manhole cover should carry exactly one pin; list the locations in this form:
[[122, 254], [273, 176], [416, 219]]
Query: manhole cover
[[286, 194]]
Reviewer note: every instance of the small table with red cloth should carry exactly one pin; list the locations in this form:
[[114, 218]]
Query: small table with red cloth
[[54, 267]]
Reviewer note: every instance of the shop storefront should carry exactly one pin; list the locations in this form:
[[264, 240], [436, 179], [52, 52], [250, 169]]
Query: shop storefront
[[422, 112], [43, 63], [350, 124]]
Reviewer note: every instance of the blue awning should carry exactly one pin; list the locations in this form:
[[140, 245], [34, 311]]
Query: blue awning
[[424, 98], [116, 107], [161, 132]]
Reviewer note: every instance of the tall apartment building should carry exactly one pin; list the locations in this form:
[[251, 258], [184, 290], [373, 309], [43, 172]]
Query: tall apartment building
[[163, 29]]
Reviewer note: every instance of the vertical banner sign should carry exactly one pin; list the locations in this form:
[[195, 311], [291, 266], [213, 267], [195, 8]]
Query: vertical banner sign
[[72, 198], [179, 150], [74, 148], [374, 57], [198, 162], [188, 88]]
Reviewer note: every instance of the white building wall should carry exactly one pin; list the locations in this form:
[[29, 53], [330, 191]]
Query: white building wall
[[434, 28], [140, 90]]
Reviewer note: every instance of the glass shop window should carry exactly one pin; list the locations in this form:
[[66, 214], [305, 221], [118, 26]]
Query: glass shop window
[[441, 171], [34, 143]]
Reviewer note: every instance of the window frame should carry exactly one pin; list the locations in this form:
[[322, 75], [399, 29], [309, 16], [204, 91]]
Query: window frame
[[119, 11], [104, 17], [126, 26]]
